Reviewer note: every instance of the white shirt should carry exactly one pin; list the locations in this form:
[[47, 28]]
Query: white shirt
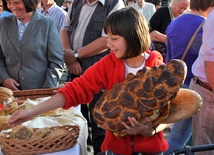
[[147, 10], [135, 70], [206, 52]]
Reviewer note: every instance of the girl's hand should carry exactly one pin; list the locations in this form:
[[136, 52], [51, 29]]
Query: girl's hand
[[135, 127], [20, 116]]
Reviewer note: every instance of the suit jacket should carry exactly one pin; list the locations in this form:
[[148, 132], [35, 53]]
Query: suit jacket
[[37, 60]]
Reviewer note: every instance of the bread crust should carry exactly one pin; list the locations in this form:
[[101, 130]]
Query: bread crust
[[53, 113], [5, 91], [184, 105], [3, 123], [21, 132], [5, 94]]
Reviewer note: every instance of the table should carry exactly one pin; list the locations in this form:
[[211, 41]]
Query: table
[[75, 150]]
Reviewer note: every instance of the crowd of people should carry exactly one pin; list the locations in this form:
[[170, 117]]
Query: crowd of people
[[97, 43]]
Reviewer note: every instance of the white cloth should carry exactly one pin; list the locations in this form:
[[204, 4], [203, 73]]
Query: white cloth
[[135, 70], [147, 10], [206, 52]]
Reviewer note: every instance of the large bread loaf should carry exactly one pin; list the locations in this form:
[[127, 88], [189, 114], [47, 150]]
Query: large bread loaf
[[146, 94]]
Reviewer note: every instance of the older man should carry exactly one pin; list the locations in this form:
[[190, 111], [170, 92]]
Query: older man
[[53, 11]]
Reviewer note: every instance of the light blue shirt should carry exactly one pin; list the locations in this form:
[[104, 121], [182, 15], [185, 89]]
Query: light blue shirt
[[22, 28], [5, 13]]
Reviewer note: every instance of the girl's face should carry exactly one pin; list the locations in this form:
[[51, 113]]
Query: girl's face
[[17, 7], [117, 44]]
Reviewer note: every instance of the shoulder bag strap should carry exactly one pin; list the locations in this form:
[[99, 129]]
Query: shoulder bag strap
[[191, 40]]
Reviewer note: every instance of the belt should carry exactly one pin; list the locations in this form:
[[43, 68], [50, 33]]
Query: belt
[[202, 84]]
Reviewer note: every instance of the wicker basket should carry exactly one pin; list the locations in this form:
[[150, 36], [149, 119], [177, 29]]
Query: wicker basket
[[41, 145], [21, 96]]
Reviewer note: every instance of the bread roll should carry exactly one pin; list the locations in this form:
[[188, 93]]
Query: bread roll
[[5, 94], [40, 133], [53, 113], [21, 132], [3, 123]]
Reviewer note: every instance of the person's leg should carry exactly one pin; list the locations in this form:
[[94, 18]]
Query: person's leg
[[179, 135], [85, 113], [98, 134], [203, 121]]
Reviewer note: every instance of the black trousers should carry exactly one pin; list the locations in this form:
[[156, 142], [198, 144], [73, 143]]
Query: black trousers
[[96, 135]]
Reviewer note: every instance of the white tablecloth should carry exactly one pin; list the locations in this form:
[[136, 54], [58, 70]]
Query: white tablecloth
[[72, 151]]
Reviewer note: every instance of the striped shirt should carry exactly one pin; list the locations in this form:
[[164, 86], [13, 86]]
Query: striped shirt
[[56, 13]]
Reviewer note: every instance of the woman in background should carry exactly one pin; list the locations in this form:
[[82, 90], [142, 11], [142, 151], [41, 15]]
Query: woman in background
[[1, 7], [31, 53], [5, 10]]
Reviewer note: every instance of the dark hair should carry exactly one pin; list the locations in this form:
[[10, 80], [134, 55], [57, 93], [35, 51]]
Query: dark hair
[[202, 5], [5, 6], [30, 5], [131, 25], [156, 2]]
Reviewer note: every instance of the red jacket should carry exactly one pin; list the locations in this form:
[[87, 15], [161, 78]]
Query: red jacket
[[104, 74]]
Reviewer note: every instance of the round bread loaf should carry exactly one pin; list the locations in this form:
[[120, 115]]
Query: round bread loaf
[[21, 132], [184, 105]]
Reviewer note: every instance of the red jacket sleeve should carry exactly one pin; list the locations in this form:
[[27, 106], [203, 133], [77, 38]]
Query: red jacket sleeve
[[155, 59]]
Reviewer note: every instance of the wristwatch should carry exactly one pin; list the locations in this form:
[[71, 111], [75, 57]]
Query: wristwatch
[[76, 55]]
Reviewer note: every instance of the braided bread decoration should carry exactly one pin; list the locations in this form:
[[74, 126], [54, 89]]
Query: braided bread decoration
[[146, 94]]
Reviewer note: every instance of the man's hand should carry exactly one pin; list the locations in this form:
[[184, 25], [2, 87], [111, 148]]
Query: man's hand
[[75, 68], [69, 56], [11, 84]]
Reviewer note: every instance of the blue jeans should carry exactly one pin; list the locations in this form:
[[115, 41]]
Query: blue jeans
[[180, 134]]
